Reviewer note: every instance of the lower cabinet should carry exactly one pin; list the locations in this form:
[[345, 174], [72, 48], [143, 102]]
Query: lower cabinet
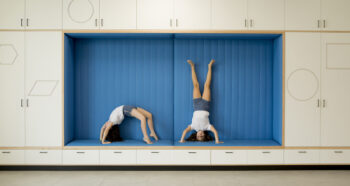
[[154, 157], [338, 156], [228, 157], [265, 157], [117, 157], [11, 157], [301, 156], [43, 157], [191, 157], [81, 157]]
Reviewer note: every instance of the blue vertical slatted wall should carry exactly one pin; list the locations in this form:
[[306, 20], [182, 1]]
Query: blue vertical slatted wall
[[151, 72]]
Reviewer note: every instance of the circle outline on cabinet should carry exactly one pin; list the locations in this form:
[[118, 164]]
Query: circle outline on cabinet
[[80, 21], [306, 97]]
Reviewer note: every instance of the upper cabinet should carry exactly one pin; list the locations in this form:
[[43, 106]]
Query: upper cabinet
[[229, 14], [43, 14], [30, 14], [118, 14], [303, 15], [12, 14], [155, 14], [335, 14], [81, 14], [192, 14], [266, 14], [99, 14]]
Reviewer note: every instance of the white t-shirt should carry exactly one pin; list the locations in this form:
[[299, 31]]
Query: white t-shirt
[[117, 115], [200, 120]]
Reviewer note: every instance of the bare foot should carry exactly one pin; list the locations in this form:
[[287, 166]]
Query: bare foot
[[211, 63], [154, 136], [190, 62], [147, 140]]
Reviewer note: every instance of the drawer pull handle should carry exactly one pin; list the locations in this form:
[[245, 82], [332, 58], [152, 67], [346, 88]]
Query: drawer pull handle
[[338, 151], [192, 152], [155, 152], [266, 152], [117, 152], [80, 152], [302, 152], [6, 152], [229, 152], [43, 152]]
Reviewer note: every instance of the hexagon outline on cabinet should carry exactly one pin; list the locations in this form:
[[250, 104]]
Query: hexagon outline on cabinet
[[306, 97], [48, 90], [80, 21], [12, 61]]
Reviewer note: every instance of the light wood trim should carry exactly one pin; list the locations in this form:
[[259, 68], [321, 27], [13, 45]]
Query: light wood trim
[[317, 148], [176, 31], [30, 30], [30, 148], [62, 145]]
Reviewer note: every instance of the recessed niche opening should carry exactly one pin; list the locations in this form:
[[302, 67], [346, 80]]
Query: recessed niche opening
[[103, 71]]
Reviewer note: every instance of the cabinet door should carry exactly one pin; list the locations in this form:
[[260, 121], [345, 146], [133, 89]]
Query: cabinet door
[[192, 14], [118, 14], [266, 14], [81, 14], [335, 123], [12, 89], [43, 88], [12, 14], [302, 90], [229, 14], [43, 14], [336, 14], [155, 14], [303, 15]]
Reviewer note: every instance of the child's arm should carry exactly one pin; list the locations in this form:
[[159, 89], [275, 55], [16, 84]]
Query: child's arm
[[184, 134], [102, 131], [105, 133], [217, 141]]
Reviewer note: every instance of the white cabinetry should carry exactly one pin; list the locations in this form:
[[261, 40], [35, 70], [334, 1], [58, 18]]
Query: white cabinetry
[[228, 157], [43, 14], [191, 157], [302, 95], [301, 156], [192, 14], [12, 14], [43, 84], [335, 14], [81, 14], [335, 87], [12, 89], [30, 14], [117, 157], [336, 156], [229, 14], [266, 14], [81, 157], [155, 14], [43, 157], [118, 14], [303, 15], [154, 157], [260, 157], [11, 157]]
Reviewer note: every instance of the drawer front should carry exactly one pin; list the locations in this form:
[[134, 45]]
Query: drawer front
[[81, 157], [43, 157], [117, 157], [228, 157], [338, 156], [191, 157], [11, 157], [261, 157], [301, 156], [154, 157]]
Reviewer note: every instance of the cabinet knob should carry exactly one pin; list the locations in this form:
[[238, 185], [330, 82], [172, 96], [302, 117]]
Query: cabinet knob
[[192, 152], [324, 23], [176, 23], [251, 23], [155, 152]]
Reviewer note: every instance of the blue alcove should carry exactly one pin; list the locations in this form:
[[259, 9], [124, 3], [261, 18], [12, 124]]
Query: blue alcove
[[103, 71]]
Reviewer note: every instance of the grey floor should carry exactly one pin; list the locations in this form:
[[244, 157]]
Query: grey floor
[[178, 178]]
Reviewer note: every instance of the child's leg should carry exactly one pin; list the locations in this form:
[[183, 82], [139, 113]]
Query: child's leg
[[206, 92], [148, 115], [196, 91], [137, 114]]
